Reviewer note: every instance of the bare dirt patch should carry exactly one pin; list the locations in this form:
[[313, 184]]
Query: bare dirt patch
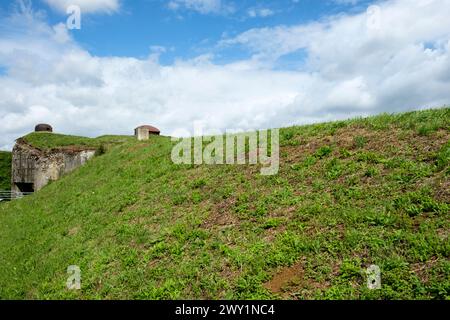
[[293, 283], [442, 190], [221, 215], [421, 268], [286, 277]]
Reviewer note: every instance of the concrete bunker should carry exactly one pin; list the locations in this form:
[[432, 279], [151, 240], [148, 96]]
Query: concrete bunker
[[145, 131], [33, 168]]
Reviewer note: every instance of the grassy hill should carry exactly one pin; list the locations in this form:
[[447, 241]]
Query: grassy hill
[[49, 141], [5, 170], [348, 194]]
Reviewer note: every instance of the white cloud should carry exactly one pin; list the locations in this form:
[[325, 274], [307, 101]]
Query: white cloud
[[387, 55], [260, 12], [351, 69], [87, 6], [202, 6]]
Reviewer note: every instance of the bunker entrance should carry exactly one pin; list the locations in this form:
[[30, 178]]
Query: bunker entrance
[[25, 187]]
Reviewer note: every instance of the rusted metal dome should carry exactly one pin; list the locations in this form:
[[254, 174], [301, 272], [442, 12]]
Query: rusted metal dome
[[42, 127]]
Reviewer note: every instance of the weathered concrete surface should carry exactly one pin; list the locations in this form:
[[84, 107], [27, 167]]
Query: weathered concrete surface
[[142, 134], [34, 168]]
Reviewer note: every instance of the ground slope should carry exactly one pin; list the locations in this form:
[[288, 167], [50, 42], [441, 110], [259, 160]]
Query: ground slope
[[349, 194]]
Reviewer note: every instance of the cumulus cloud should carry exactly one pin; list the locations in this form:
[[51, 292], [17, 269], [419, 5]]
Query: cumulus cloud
[[202, 6], [355, 65], [377, 60], [87, 6]]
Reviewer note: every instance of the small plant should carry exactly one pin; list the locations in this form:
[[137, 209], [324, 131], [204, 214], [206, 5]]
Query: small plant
[[443, 157], [424, 130], [196, 197], [288, 135], [360, 141], [242, 204], [292, 143], [427, 129], [415, 203], [334, 169], [272, 223], [369, 157], [309, 161], [199, 183], [350, 269], [323, 152], [179, 199], [371, 172], [288, 139], [261, 209], [394, 162], [345, 153]]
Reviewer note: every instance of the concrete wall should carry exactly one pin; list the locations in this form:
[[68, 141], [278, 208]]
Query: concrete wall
[[23, 165], [142, 134], [32, 166]]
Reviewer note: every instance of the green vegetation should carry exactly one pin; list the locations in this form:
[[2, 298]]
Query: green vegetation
[[46, 141], [141, 227], [5, 170]]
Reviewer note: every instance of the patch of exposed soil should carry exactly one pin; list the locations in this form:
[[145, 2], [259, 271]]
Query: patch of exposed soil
[[442, 192], [397, 140], [221, 215], [286, 277], [292, 282], [421, 268]]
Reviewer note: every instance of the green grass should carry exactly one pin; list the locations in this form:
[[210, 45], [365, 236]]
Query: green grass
[[5, 170], [48, 141], [141, 227]]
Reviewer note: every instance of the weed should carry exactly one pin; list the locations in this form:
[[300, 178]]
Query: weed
[[417, 202], [323, 152], [443, 157], [360, 141], [199, 183], [371, 172]]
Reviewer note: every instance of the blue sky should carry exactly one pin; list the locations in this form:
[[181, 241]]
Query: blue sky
[[185, 33], [230, 65]]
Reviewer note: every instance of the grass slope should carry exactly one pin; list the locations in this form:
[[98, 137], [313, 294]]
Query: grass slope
[[48, 141], [5, 170], [349, 194]]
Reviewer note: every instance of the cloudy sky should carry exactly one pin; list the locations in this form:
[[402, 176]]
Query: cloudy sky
[[230, 64]]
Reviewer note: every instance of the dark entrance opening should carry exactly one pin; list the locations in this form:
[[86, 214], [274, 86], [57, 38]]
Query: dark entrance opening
[[25, 187]]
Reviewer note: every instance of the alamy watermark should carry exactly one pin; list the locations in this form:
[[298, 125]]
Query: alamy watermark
[[373, 273], [74, 280], [74, 19], [260, 147], [374, 18]]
